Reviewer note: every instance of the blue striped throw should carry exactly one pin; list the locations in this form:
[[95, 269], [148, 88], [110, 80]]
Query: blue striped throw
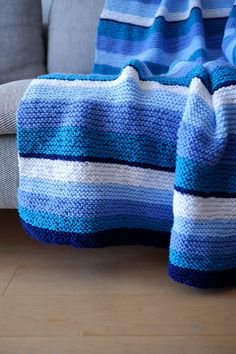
[[143, 150]]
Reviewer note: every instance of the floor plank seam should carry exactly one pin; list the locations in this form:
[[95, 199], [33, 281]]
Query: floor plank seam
[[11, 279], [125, 336]]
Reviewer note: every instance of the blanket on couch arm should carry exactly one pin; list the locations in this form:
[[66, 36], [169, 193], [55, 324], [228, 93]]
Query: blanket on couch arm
[[143, 150]]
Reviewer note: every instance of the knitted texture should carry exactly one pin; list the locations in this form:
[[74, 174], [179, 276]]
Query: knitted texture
[[142, 151]]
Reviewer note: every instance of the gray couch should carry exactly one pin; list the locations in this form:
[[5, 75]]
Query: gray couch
[[65, 44]]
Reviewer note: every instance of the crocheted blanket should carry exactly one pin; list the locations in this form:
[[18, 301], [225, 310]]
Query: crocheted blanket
[[143, 150]]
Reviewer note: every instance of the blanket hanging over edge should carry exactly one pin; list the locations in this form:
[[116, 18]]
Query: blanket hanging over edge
[[143, 150]]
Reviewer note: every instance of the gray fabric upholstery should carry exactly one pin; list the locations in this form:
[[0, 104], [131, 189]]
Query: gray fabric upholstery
[[22, 53], [10, 95], [71, 49], [8, 172], [72, 33]]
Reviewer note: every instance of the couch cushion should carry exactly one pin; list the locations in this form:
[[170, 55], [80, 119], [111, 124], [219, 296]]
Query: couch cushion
[[21, 44], [10, 95], [72, 36]]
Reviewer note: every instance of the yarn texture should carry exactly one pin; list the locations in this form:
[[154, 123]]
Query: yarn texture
[[143, 150]]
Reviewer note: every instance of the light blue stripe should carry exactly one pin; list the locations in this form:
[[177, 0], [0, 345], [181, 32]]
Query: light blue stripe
[[228, 32], [148, 10], [228, 113], [208, 151], [206, 120], [203, 245], [127, 91], [230, 50], [92, 191], [98, 207], [134, 8]]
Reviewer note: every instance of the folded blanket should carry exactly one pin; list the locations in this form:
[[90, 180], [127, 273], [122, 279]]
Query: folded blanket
[[142, 151]]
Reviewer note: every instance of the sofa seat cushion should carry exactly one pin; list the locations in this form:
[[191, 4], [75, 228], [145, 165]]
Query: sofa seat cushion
[[22, 52], [10, 95]]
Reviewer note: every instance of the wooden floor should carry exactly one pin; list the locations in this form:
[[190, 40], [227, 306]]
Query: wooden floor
[[119, 300]]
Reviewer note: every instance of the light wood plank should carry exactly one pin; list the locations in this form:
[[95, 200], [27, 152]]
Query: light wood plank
[[122, 315], [131, 271], [114, 300], [138, 272], [119, 345], [51, 269]]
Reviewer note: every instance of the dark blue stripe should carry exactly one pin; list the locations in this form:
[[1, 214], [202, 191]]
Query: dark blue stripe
[[205, 194], [202, 279], [97, 159], [101, 239]]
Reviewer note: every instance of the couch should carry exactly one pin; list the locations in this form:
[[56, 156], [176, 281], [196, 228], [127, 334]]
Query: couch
[[65, 44]]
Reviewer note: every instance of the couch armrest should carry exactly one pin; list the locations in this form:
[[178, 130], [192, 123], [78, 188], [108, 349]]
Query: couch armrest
[[10, 95]]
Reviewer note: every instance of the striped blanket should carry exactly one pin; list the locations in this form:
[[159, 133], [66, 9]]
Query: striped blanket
[[143, 150]]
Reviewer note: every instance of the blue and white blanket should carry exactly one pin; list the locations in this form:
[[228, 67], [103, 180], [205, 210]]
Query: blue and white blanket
[[143, 150]]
